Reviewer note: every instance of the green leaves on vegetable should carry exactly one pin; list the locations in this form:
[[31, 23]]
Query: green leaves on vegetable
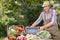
[[44, 34]]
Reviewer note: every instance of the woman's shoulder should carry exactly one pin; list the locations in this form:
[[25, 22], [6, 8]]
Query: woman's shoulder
[[42, 12], [53, 10]]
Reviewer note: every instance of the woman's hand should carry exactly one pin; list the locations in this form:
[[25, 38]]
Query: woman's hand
[[42, 28], [32, 26]]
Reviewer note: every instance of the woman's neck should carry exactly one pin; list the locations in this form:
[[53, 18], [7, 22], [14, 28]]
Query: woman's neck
[[47, 12]]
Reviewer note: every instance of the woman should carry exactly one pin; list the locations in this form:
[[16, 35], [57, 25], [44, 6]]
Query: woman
[[50, 20]]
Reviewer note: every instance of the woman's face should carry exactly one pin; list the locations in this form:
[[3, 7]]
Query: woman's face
[[46, 8]]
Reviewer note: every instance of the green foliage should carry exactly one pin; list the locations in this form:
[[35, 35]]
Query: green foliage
[[32, 10], [8, 11], [32, 14], [6, 20]]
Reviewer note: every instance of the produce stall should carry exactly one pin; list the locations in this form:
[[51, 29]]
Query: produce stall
[[16, 32]]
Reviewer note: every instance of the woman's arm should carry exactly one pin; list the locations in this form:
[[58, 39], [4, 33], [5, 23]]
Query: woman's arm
[[38, 20], [53, 21]]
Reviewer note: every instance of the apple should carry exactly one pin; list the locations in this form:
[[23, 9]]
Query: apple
[[21, 29]]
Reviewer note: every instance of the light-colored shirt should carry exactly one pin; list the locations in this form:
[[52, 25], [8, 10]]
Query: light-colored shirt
[[48, 16]]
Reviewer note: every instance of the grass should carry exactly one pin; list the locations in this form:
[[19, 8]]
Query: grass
[[2, 38]]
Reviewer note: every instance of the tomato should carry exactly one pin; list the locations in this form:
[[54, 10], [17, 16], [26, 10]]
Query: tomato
[[10, 38]]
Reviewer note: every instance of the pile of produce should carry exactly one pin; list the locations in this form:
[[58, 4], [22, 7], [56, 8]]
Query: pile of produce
[[32, 37], [21, 37], [14, 30], [19, 29], [44, 34], [28, 37]]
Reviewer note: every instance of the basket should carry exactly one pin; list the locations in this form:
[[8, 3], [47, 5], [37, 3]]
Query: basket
[[30, 30]]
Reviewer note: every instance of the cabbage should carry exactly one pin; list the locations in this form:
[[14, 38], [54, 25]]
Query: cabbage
[[44, 34], [11, 32]]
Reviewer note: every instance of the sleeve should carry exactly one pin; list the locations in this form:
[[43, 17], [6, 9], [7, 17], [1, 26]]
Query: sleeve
[[54, 18], [39, 19]]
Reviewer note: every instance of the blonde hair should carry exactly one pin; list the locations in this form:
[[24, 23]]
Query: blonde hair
[[46, 3]]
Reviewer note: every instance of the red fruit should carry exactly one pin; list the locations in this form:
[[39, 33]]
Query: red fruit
[[21, 38], [21, 29], [10, 38], [18, 38], [24, 38]]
